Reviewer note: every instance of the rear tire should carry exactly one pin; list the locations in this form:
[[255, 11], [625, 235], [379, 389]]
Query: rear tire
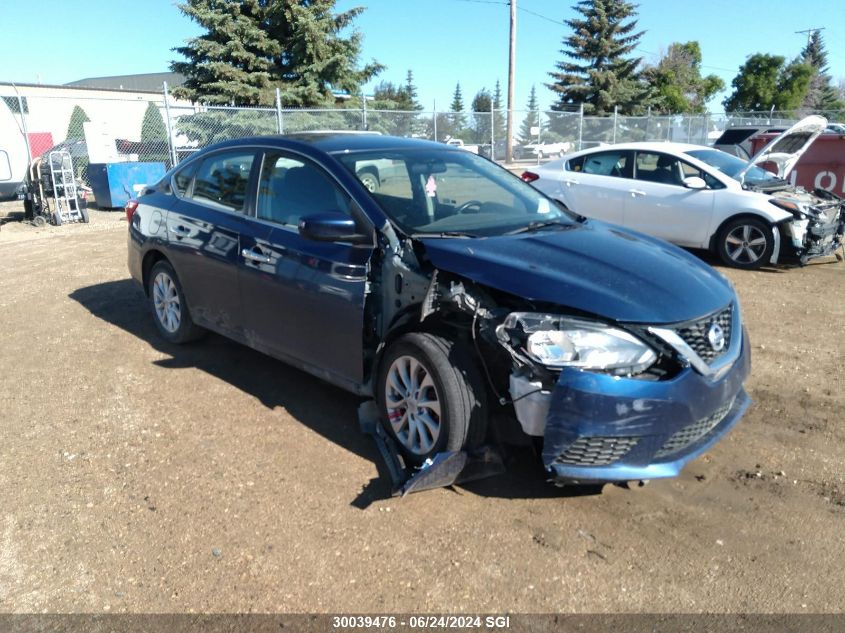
[[745, 243], [169, 307], [431, 396]]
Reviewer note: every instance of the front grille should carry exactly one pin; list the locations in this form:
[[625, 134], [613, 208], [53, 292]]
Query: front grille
[[693, 432], [695, 334], [597, 451]]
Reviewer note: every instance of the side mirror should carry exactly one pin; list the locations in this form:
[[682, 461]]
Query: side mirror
[[332, 227], [694, 182]]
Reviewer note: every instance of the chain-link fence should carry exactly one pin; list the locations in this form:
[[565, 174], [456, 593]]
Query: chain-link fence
[[153, 127]]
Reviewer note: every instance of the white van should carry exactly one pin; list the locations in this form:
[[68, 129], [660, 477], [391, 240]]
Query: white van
[[13, 156]]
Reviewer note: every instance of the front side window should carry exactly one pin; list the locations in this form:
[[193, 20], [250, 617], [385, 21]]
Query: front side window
[[292, 187], [222, 181], [732, 166], [453, 191]]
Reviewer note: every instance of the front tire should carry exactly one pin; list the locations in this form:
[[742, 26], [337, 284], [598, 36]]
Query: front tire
[[431, 396], [370, 181], [745, 243], [168, 305]]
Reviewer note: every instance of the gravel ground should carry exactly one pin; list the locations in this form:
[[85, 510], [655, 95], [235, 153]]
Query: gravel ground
[[137, 476]]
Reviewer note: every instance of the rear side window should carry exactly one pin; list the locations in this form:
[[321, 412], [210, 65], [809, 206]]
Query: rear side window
[[182, 179], [222, 181], [613, 163]]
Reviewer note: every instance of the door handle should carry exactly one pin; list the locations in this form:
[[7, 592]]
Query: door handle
[[180, 231], [636, 192], [569, 182], [252, 256]]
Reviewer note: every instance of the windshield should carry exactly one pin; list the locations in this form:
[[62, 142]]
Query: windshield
[[450, 192], [731, 166]]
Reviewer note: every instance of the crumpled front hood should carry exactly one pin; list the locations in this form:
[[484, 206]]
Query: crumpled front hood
[[593, 267], [785, 150]]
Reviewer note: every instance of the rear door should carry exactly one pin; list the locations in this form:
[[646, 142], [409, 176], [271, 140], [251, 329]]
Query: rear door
[[660, 205], [596, 184], [204, 231], [303, 299]]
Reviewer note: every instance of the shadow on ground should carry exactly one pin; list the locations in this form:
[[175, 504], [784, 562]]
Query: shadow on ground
[[325, 409]]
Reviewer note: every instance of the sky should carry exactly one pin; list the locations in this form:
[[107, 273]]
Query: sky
[[444, 42]]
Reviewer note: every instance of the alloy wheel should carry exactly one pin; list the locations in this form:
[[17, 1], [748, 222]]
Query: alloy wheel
[[745, 244], [168, 308], [413, 405]]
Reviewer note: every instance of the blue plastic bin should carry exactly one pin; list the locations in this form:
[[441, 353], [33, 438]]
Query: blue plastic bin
[[114, 183]]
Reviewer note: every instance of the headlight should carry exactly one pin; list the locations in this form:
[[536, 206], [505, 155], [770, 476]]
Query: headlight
[[558, 341], [788, 205]]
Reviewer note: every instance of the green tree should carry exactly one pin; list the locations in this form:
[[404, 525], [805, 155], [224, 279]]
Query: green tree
[[75, 127], [498, 118], [457, 118], [482, 105], [531, 119], [765, 81], [677, 81], [821, 95], [601, 73], [154, 136], [411, 91], [388, 96], [251, 47]]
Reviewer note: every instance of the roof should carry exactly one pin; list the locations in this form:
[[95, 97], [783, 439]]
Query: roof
[[654, 146], [339, 141], [147, 82]]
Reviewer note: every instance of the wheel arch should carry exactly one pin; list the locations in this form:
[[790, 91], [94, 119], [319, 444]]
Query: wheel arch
[[737, 216], [151, 258]]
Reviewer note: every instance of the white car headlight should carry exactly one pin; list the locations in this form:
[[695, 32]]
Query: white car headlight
[[557, 341]]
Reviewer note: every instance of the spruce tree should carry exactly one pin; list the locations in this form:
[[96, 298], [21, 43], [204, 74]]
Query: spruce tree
[[251, 47], [530, 120], [457, 117], [498, 117], [75, 129], [411, 91], [821, 95], [154, 136], [601, 73]]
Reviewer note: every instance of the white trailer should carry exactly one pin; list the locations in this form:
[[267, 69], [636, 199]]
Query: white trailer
[[14, 157]]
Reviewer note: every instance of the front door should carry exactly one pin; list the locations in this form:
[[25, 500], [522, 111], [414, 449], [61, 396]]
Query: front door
[[303, 299], [660, 204]]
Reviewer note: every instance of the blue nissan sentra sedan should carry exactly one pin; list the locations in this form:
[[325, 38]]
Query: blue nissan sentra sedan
[[451, 292]]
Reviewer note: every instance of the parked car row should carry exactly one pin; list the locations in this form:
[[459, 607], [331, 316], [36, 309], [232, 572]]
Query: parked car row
[[468, 304], [704, 198]]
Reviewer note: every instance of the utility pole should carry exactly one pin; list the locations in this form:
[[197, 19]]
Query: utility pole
[[810, 32], [511, 72]]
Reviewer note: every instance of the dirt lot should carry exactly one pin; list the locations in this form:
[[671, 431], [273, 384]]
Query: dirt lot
[[139, 476]]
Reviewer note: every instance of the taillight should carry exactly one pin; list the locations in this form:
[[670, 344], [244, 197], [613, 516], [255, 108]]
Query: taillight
[[529, 176], [131, 207]]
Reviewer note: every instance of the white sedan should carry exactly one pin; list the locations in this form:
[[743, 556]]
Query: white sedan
[[700, 197]]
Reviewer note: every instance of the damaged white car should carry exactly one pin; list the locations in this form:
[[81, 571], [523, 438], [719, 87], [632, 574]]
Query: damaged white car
[[700, 197]]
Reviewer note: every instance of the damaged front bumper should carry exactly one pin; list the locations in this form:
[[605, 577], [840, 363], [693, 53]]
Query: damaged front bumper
[[601, 428], [810, 238]]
